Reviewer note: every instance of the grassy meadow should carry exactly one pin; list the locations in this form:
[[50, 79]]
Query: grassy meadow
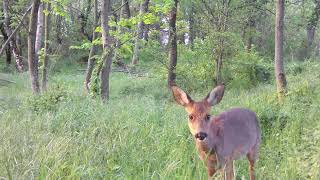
[[142, 134]]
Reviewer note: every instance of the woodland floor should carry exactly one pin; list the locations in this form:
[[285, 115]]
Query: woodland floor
[[142, 134]]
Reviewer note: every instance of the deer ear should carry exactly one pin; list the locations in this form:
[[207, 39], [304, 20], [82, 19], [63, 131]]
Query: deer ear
[[215, 96], [180, 96]]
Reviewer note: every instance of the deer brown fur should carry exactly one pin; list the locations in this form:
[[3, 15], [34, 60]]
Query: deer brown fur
[[223, 138]]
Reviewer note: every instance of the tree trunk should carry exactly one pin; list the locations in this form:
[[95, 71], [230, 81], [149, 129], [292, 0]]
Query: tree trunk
[[12, 41], [32, 58], [39, 29], [222, 27], [157, 36], [58, 29], [125, 10], [19, 42], [172, 44], [317, 49], [46, 47], [181, 38], [311, 29], [8, 55], [146, 32], [93, 50], [125, 14], [107, 50], [14, 32], [191, 27], [71, 12], [84, 20], [250, 25], [8, 48], [279, 69], [137, 44], [219, 59], [146, 27]]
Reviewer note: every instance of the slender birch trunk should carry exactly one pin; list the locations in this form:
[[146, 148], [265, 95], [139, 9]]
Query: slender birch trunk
[[32, 58]]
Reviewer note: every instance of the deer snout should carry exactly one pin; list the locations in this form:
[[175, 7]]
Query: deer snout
[[201, 136]]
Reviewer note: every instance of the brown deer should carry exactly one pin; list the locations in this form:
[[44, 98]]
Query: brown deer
[[223, 138]]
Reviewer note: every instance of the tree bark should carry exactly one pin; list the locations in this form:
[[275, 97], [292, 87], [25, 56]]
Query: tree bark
[[279, 69], [93, 50], [222, 27], [47, 25], [84, 21], [71, 13], [172, 44], [19, 42], [251, 25], [8, 48], [32, 58], [219, 59], [125, 10], [145, 35], [137, 44], [311, 28], [11, 38], [58, 29], [191, 27], [39, 30], [181, 38], [125, 14], [12, 35], [107, 50]]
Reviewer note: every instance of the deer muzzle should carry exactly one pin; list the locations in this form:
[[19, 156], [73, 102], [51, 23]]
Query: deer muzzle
[[201, 136]]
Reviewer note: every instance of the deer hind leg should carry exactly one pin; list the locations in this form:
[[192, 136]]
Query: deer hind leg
[[252, 155]]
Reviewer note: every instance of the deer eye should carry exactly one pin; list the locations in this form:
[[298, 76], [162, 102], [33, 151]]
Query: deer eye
[[191, 117], [208, 117]]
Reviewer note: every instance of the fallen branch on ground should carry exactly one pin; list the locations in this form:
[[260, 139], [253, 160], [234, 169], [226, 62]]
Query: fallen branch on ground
[[5, 80]]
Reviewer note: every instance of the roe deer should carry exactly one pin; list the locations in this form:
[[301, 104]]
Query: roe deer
[[223, 138]]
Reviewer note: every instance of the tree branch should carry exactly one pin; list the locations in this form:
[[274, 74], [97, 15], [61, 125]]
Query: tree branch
[[15, 31]]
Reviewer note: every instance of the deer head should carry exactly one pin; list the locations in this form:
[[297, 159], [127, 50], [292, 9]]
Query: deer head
[[198, 111]]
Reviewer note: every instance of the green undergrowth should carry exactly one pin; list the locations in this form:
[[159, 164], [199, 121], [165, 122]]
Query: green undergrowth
[[142, 134]]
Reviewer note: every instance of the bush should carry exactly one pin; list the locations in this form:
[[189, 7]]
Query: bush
[[246, 69], [295, 68], [196, 68], [49, 100], [152, 51]]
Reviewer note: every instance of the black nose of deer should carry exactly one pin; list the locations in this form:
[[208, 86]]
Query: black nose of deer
[[201, 136]]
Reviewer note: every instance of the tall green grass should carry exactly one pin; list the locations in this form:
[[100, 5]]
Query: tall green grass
[[142, 134]]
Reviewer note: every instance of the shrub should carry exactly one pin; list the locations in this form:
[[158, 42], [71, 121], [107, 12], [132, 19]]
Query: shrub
[[246, 69], [152, 51], [49, 100], [196, 68]]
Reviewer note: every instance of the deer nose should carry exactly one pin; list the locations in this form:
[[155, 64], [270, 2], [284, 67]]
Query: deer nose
[[201, 136]]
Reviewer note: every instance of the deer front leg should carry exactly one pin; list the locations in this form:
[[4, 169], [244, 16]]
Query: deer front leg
[[228, 172], [211, 165], [251, 170], [251, 166], [211, 172]]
